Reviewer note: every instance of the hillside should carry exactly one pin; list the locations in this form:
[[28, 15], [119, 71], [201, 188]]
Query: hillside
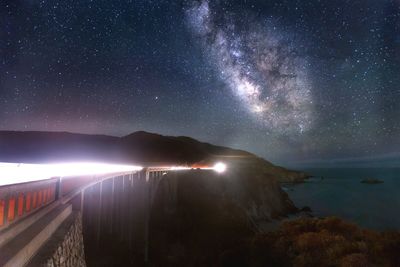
[[137, 148]]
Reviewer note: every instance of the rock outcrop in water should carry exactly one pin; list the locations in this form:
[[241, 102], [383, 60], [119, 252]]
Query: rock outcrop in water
[[371, 181]]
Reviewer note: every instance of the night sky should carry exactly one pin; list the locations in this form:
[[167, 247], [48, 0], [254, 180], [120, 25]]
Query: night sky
[[292, 81]]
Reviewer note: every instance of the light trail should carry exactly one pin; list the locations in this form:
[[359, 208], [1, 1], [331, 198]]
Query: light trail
[[218, 167], [15, 173]]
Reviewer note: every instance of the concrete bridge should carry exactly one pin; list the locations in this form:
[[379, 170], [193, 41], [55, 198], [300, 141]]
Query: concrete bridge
[[56, 221]]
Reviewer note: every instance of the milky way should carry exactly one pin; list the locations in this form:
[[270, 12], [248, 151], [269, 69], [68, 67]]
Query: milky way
[[288, 80], [260, 65]]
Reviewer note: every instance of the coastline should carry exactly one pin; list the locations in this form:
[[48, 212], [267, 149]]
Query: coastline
[[341, 194]]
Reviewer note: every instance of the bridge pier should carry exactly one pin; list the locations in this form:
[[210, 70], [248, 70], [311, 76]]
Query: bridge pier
[[112, 205], [99, 217], [82, 201], [147, 218], [130, 211]]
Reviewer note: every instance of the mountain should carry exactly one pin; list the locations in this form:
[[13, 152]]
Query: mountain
[[137, 148]]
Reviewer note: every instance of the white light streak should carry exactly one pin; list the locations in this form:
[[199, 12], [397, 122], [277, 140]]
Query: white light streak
[[13, 173], [178, 168], [220, 167]]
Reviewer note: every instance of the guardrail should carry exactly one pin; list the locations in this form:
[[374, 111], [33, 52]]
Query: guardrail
[[19, 200]]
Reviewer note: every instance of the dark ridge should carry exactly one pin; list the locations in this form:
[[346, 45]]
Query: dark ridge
[[138, 147], [148, 149], [169, 149]]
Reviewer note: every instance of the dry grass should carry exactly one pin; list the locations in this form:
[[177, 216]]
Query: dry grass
[[322, 242]]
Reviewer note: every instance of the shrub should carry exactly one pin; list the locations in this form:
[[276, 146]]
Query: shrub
[[354, 260], [324, 242]]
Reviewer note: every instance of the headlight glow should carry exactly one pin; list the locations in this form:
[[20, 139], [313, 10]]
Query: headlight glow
[[220, 167]]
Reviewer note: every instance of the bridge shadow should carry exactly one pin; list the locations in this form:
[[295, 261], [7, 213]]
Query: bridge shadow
[[116, 219]]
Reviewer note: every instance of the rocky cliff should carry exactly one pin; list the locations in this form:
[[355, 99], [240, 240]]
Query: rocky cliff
[[197, 215]]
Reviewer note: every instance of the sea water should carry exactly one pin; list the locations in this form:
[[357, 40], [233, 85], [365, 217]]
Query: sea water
[[339, 192]]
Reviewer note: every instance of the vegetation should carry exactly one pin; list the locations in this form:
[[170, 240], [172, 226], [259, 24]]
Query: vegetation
[[318, 242]]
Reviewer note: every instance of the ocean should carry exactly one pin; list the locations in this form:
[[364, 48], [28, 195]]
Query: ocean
[[340, 193]]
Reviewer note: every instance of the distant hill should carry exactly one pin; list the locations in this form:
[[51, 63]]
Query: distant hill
[[137, 148]]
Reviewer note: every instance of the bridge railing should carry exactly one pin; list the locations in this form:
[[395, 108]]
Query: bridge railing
[[19, 200]]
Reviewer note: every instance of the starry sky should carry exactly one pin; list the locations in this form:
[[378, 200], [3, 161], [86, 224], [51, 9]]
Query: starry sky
[[294, 81]]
